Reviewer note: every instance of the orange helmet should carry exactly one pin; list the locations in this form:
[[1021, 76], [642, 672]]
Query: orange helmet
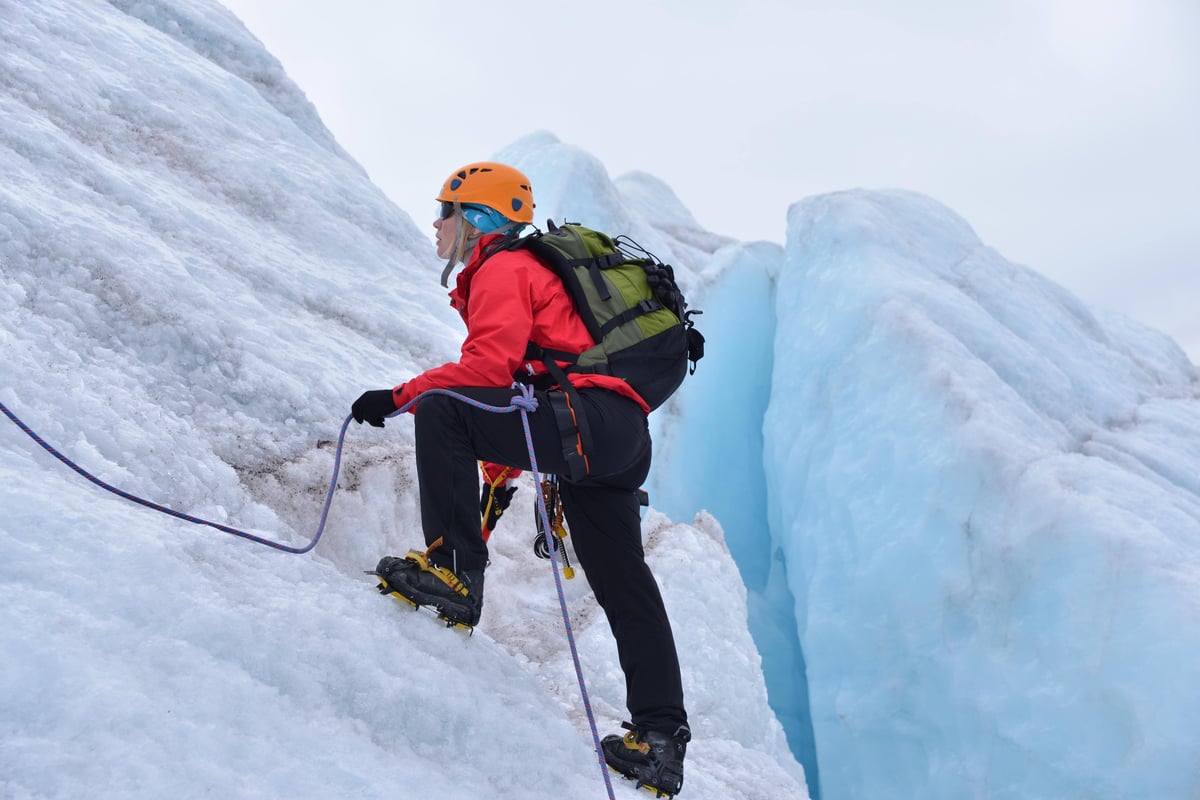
[[497, 186]]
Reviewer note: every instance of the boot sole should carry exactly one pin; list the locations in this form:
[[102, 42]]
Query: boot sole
[[643, 786]]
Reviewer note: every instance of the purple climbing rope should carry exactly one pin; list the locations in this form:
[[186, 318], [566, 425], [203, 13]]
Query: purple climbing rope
[[108, 487]]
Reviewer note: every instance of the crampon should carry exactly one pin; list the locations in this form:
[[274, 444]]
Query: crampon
[[456, 601]]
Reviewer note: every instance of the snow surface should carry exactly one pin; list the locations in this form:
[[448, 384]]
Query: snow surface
[[964, 507], [196, 283]]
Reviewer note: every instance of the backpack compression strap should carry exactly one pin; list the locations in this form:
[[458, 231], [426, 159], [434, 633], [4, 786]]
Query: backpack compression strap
[[595, 265], [643, 307]]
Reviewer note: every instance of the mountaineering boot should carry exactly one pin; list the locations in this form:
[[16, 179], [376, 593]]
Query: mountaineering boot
[[653, 759], [458, 599]]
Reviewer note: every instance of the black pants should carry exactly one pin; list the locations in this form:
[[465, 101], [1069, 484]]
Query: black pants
[[602, 513]]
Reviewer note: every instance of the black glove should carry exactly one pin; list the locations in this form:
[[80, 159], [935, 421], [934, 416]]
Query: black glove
[[492, 505], [373, 406]]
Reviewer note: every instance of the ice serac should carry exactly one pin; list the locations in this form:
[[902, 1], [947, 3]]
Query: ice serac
[[574, 186], [712, 436], [989, 504], [658, 204]]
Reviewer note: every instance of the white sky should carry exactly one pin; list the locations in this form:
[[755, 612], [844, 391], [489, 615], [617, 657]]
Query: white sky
[[1067, 132]]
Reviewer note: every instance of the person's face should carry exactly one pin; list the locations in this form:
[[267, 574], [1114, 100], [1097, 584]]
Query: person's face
[[447, 231]]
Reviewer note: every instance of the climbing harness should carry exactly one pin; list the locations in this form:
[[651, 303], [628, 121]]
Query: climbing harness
[[524, 402]]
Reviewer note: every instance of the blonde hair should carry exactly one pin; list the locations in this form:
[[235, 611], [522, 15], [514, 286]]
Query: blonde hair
[[464, 243]]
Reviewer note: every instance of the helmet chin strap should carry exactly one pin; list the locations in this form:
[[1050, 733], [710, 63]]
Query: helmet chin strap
[[460, 240], [450, 265]]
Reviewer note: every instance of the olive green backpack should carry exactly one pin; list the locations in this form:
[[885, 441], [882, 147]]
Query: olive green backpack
[[631, 305]]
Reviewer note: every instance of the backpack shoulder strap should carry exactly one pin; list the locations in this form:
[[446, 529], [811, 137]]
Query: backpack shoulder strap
[[562, 265], [507, 243]]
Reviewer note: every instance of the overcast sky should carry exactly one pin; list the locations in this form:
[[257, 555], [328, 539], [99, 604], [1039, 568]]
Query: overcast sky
[[1067, 132]]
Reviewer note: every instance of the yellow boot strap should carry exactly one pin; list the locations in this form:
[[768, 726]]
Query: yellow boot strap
[[444, 575]]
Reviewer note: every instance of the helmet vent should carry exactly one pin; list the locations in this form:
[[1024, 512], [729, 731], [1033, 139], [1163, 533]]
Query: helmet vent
[[500, 187]]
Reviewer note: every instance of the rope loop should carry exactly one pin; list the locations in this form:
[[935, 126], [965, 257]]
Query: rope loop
[[525, 401]]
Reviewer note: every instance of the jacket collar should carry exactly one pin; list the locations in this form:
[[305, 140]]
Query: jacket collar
[[462, 286]]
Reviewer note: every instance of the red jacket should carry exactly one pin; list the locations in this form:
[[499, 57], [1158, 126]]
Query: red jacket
[[508, 301]]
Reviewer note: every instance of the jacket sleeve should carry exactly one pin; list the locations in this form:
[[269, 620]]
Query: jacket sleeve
[[499, 323]]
